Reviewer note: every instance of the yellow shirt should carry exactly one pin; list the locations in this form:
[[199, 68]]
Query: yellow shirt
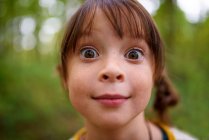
[[165, 128]]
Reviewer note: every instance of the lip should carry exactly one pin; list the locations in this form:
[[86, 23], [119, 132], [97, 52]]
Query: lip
[[111, 100]]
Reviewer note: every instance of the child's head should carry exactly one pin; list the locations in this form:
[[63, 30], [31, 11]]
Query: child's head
[[111, 57], [127, 17]]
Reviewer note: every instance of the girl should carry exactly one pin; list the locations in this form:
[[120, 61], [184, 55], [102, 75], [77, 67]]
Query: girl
[[111, 58]]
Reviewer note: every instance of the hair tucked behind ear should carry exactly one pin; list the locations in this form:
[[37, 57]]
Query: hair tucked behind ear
[[166, 96]]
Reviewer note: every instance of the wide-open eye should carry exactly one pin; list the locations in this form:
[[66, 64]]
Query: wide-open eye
[[134, 54], [89, 53]]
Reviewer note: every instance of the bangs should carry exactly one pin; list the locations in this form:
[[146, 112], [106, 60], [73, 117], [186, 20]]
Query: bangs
[[123, 18]]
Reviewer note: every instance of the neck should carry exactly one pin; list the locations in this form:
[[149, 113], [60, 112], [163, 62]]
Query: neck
[[134, 130]]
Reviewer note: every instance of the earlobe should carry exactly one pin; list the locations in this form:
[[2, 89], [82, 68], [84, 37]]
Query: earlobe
[[59, 70]]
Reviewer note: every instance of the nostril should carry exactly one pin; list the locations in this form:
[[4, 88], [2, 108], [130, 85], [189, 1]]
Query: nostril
[[111, 77], [119, 77], [105, 77]]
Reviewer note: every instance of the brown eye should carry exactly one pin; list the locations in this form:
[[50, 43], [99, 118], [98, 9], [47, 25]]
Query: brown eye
[[134, 54], [88, 53]]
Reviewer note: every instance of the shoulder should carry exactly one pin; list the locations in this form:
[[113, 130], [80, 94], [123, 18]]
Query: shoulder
[[181, 135], [173, 133]]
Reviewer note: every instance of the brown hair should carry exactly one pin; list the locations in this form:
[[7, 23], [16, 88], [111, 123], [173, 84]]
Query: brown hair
[[166, 96], [124, 16]]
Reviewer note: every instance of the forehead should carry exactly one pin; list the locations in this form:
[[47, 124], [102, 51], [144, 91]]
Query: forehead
[[100, 23], [122, 20]]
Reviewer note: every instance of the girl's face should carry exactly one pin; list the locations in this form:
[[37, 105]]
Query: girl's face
[[109, 79]]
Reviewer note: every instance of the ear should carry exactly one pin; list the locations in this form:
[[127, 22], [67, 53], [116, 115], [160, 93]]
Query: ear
[[59, 69]]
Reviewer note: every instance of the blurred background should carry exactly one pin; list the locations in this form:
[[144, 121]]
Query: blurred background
[[33, 104]]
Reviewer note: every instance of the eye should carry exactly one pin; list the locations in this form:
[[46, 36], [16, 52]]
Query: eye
[[134, 54], [89, 53]]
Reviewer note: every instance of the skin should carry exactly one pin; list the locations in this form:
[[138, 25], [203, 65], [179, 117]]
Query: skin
[[111, 71]]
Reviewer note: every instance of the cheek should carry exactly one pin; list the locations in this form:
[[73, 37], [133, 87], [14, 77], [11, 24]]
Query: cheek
[[76, 94], [78, 87], [142, 85]]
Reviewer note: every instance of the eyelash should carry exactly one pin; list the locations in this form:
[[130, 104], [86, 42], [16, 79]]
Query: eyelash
[[139, 52], [92, 53], [136, 56]]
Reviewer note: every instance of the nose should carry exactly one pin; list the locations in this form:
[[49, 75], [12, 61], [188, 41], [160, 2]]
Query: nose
[[111, 72]]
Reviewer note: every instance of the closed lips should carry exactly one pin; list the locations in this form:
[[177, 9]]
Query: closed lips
[[110, 97]]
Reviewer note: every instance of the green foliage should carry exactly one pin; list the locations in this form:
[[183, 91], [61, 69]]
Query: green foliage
[[186, 45], [33, 104]]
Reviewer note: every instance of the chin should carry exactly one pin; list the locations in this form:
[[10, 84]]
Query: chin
[[112, 123], [111, 126]]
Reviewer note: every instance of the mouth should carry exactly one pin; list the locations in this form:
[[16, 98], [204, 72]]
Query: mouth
[[111, 100]]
